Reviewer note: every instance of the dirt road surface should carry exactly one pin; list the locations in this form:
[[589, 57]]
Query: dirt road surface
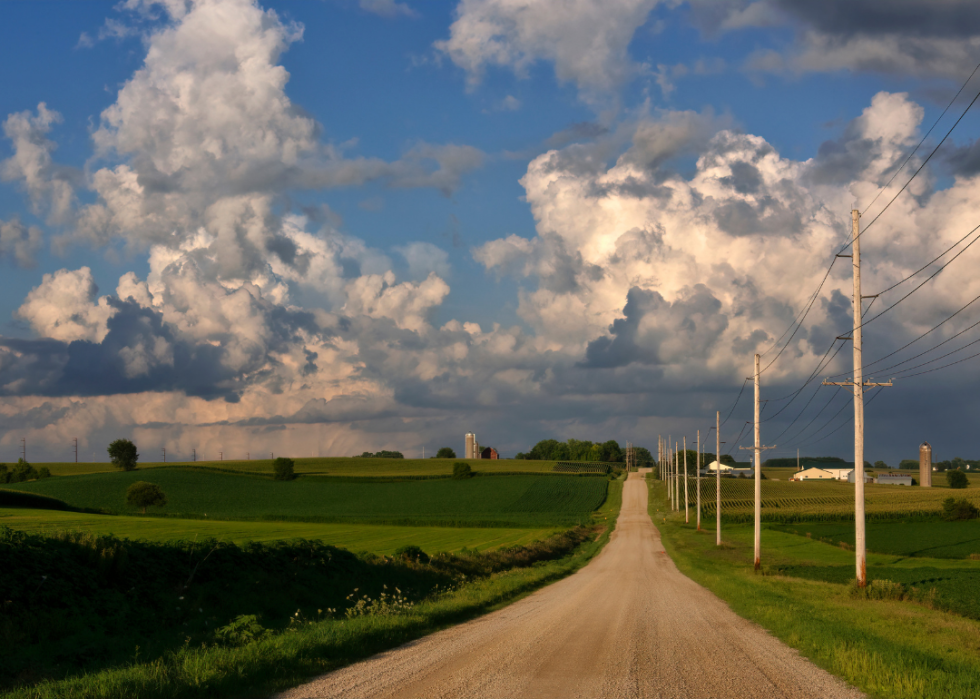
[[629, 624]]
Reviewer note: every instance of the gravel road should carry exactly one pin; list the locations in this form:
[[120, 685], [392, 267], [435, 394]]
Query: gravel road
[[629, 624]]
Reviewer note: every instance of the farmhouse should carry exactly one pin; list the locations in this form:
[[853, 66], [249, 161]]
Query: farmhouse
[[814, 474], [894, 479]]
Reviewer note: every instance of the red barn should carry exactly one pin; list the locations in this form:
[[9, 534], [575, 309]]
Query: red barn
[[489, 453]]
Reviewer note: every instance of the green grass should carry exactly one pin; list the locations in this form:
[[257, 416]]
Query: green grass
[[288, 658], [932, 539], [332, 466], [886, 648], [516, 501], [380, 539], [789, 501]]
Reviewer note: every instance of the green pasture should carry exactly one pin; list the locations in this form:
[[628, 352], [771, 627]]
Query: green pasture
[[328, 466], [509, 501], [916, 639], [378, 539], [929, 538]]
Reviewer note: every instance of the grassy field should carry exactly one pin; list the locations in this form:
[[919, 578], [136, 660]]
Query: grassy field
[[784, 500], [306, 646], [518, 501], [378, 539], [328, 466], [885, 647], [932, 539]]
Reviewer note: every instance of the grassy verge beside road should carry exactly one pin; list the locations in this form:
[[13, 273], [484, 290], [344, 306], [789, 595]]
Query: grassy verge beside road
[[885, 647], [297, 650]]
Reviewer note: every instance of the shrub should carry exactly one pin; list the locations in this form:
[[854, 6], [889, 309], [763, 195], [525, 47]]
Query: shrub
[[283, 468], [445, 453], [412, 553], [959, 509], [43, 472], [123, 454], [23, 471], [142, 495], [243, 629], [462, 471], [957, 479]]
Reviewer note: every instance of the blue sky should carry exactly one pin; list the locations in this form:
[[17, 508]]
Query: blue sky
[[539, 170]]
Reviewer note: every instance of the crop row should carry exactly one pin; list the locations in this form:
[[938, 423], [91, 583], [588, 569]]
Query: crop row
[[569, 467]]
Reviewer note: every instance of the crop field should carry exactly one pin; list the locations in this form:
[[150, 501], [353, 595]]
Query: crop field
[[328, 466], [508, 501], [932, 539], [572, 467], [375, 538], [787, 501]]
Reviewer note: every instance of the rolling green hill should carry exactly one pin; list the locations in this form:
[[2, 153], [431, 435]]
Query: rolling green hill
[[514, 501]]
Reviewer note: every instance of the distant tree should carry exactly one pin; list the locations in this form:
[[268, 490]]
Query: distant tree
[[383, 455], [21, 472], [881, 465], [43, 472], [142, 495], [643, 455], [957, 479], [283, 469], [520, 455], [908, 464], [123, 454], [959, 509], [462, 471], [4, 474], [445, 453], [728, 460]]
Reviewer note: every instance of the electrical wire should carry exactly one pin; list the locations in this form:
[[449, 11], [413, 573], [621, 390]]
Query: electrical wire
[[919, 145]]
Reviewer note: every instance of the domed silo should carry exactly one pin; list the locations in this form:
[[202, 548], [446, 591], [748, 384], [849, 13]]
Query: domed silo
[[925, 465]]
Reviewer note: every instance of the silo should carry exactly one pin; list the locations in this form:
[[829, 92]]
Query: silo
[[925, 465], [469, 450]]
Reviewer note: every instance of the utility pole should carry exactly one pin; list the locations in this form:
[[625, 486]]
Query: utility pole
[[859, 385], [718, 478], [758, 449], [687, 513], [76, 449], [797, 459], [221, 456], [164, 450], [23, 448], [677, 477], [194, 451], [699, 480]]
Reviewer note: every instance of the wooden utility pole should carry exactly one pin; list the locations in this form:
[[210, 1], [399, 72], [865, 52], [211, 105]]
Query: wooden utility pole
[[677, 476], [687, 512], [718, 478], [859, 385], [758, 449], [698, 480], [164, 450], [797, 459], [23, 448], [194, 452], [76, 449]]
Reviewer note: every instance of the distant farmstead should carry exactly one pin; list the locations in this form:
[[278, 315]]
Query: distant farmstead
[[489, 453], [893, 479]]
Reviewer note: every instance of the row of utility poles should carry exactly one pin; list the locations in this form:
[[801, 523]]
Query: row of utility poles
[[669, 462]]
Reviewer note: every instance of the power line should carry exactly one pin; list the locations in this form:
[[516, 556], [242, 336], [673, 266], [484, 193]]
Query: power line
[[924, 163], [919, 145]]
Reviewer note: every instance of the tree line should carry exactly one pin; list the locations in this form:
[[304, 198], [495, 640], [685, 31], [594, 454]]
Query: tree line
[[583, 450]]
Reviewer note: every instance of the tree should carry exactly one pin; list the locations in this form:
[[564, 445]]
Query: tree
[[462, 471], [142, 495], [881, 465], [908, 464], [445, 453], [23, 471], [123, 454], [283, 469], [958, 509], [957, 479], [643, 455]]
